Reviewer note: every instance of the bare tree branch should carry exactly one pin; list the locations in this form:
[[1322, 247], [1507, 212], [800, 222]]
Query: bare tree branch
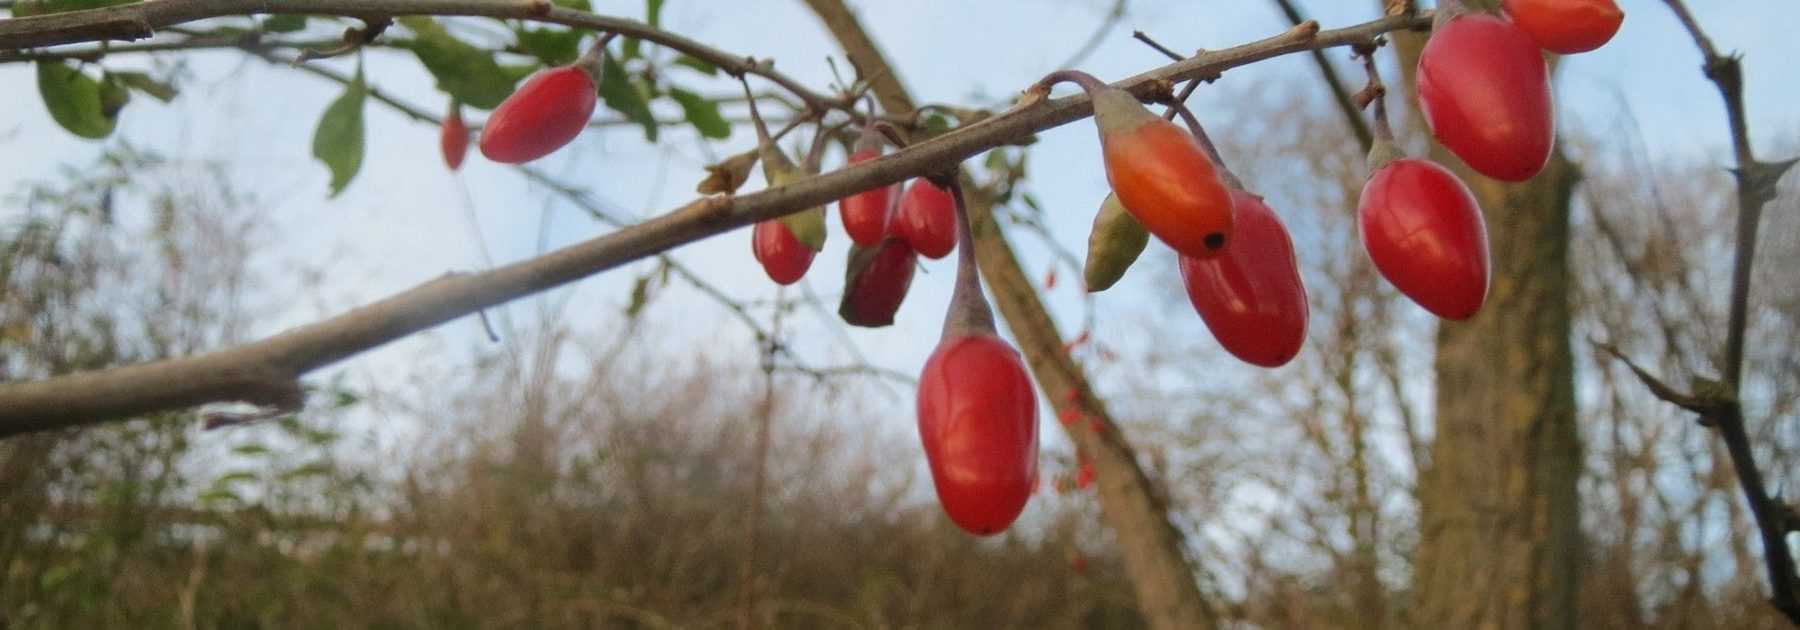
[[1339, 93], [139, 20], [265, 371], [1756, 183]]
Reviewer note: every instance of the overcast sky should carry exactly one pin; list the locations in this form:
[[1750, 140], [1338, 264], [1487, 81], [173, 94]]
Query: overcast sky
[[405, 219]]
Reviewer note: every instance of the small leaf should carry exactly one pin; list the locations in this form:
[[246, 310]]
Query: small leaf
[[697, 64], [729, 174], [553, 46], [159, 90], [234, 477], [622, 96], [26, 8], [808, 227], [464, 71], [936, 124], [313, 469], [219, 495], [338, 142], [578, 5], [640, 296], [516, 73], [653, 12], [1115, 242], [74, 100], [250, 449], [702, 114], [345, 398], [283, 23]]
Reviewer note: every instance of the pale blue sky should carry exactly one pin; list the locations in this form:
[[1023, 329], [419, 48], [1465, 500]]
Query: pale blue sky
[[403, 220]]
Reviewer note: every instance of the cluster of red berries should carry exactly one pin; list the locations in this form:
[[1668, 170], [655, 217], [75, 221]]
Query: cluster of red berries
[[1484, 91]]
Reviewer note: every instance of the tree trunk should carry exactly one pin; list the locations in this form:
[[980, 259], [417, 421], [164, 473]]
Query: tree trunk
[[1165, 583], [1500, 541]]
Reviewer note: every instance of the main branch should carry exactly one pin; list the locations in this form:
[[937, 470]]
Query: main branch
[[266, 371]]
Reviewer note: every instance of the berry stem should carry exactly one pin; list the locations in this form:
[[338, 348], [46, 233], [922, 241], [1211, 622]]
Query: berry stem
[[1384, 149], [593, 60], [968, 314], [1212, 151], [1087, 81]]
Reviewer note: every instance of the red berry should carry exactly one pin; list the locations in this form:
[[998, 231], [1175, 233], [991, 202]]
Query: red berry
[[1567, 26], [1484, 90], [784, 257], [978, 423], [454, 138], [1424, 232], [546, 113], [1251, 296], [877, 283], [927, 219], [865, 213]]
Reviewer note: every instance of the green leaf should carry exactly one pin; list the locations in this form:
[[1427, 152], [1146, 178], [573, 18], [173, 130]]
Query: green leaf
[[234, 477], [464, 71], [694, 62], [633, 48], [518, 72], [309, 470], [250, 449], [702, 114], [338, 142], [555, 47], [75, 100], [283, 23], [623, 96], [653, 13], [578, 5], [27, 8], [159, 90]]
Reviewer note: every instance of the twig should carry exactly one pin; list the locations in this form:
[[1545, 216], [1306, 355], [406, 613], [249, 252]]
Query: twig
[[355, 38], [1756, 184], [266, 371], [1339, 93], [1113, 15], [139, 20]]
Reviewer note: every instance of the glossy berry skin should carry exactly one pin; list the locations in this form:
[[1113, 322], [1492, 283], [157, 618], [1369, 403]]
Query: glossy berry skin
[[1251, 295], [1424, 232], [1165, 180], [1567, 26], [978, 423], [454, 139], [873, 295], [927, 219], [784, 257], [865, 213], [546, 113], [1485, 92]]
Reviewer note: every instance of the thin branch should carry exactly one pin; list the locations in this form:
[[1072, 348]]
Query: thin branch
[[1756, 183], [266, 371], [1113, 15], [140, 20]]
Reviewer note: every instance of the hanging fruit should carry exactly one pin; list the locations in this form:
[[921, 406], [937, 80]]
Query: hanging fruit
[[876, 282], [453, 137], [977, 410], [927, 219], [546, 113], [1158, 172], [1485, 92], [1567, 26]]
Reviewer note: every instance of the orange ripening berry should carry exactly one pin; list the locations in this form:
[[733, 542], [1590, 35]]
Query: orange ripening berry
[[1162, 176]]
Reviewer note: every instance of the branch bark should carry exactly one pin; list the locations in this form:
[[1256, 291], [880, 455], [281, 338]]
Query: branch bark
[[1756, 182], [140, 20], [265, 371]]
